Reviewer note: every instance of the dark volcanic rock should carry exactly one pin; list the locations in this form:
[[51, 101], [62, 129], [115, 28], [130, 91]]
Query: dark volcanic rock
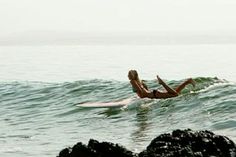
[[106, 149], [96, 149], [188, 143], [181, 143]]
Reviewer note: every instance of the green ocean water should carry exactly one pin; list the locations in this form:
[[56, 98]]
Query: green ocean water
[[39, 115], [40, 118]]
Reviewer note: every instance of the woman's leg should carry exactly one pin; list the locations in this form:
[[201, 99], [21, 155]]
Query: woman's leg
[[168, 89], [181, 86]]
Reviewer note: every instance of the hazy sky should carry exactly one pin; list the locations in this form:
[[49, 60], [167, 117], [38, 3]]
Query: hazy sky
[[117, 15]]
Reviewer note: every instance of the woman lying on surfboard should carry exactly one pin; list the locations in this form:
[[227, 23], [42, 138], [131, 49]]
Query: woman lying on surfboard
[[143, 92]]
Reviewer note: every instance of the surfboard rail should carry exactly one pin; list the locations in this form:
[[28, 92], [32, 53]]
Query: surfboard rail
[[116, 104]]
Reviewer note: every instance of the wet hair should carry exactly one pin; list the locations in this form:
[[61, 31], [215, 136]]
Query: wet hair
[[133, 75]]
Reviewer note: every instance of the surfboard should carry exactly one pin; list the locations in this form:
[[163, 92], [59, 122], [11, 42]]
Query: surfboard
[[117, 104]]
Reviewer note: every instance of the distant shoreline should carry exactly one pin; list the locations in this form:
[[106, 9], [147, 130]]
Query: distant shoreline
[[118, 38]]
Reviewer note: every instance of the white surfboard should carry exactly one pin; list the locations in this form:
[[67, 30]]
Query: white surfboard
[[106, 104]]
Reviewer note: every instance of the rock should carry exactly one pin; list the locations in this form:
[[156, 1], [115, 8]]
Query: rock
[[181, 143], [65, 152], [106, 149], [188, 143], [96, 149]]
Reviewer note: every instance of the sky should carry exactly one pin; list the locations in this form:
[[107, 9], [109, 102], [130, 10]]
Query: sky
[[116, 15]]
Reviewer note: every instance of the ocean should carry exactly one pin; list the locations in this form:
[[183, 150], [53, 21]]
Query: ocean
[[41, 86]]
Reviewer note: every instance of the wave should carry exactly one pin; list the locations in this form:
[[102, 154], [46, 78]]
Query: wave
[[92, 90], [27, 95], [48, 110]]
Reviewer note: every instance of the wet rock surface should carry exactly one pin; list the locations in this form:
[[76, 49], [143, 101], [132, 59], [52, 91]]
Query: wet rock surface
[[190, 143], [181, 143], [96, 149]]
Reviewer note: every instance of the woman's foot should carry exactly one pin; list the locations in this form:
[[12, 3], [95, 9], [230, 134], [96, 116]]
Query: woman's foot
[[160, 81]]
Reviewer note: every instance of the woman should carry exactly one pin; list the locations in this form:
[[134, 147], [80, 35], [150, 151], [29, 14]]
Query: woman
[[142, 91]]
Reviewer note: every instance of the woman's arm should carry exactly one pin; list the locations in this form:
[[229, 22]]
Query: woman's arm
[[138, 88], [144, 85]]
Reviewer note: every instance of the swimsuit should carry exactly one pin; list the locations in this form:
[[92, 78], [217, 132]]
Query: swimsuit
[[154, 93]]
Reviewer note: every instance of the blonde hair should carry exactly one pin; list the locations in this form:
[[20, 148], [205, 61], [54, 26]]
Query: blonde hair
[[133, 75]]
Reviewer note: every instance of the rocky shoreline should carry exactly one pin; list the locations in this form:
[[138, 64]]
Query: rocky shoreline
[[180, 143]]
